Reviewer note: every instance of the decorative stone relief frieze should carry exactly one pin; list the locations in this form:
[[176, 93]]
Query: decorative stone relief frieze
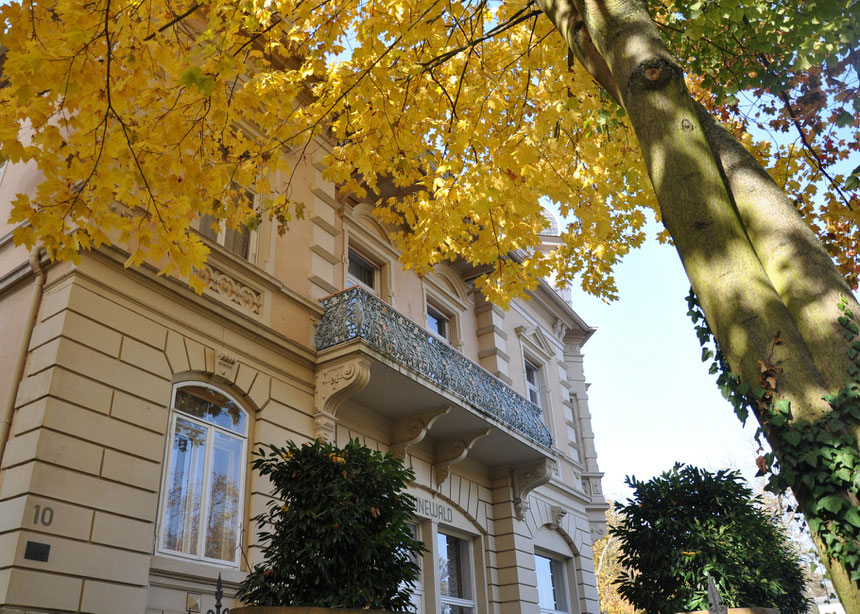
[[597, 532], [232, 289], [412, 431], [333, 385], [525, 478], [453, 451], [592, 485]]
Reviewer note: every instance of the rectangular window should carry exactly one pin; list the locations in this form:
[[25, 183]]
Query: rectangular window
[[362, 271], [438, 323], [237, 241], [455, 575], [533, 383], [417, 596], [552, 593]]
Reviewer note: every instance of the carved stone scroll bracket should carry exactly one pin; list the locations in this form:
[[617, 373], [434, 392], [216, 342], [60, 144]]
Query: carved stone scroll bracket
[[557, 513], [333, 385], [410, 432], [453, 451], [525, 478]]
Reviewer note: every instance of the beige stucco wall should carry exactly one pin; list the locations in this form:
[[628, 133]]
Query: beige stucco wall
[[92, 413]]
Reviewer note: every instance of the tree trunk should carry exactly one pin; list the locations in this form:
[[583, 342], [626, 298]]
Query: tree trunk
[[758, 271]]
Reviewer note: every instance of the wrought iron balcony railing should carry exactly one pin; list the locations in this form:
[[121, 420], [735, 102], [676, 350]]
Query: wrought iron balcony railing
[[354, 313]]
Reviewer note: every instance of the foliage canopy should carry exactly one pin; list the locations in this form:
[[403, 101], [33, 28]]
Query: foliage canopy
[[336, 533], [144, 115], [688, 523], [454, 118]]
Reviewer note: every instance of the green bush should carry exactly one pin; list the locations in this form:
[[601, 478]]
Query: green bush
[[336, 534], [689, 522]]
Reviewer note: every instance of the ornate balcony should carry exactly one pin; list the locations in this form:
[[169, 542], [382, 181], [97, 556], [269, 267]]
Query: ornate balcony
[[354, 315]]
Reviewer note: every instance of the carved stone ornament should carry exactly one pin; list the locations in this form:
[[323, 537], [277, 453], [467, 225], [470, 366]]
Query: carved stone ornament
[[226, 367], [453, 451], [412, 431], [557, 512], [559, 328], [525, 478], [335, 384], [597, 532], [226, 286]]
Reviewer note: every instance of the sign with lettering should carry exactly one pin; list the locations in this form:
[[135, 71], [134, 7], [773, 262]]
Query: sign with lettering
[[428, 508]]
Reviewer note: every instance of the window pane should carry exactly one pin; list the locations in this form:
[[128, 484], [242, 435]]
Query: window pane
[[238, 241], [211, 406], [437, 323], [550, 581], [360, 269], [222, 525], [532, 387], [531, 374], [206, 227], [454, 579], [185, 488], [447, 608]]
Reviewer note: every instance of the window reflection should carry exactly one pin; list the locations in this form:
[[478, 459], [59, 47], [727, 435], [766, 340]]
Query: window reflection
[[201, 515]]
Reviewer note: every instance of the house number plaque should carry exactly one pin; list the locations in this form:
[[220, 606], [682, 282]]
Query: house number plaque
[[43, 515]]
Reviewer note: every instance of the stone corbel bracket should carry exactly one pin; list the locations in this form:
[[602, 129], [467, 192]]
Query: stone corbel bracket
[[410, 432], [333, 385], [525, 478], [453, 451]]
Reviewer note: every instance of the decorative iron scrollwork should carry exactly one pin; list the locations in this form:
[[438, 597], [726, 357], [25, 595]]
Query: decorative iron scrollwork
[[354, 313]]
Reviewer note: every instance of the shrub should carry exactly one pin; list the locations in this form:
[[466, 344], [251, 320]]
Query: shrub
[[336, 534], [687, 523]]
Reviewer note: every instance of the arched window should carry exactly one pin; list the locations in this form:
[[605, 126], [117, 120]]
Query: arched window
[[204, 481]]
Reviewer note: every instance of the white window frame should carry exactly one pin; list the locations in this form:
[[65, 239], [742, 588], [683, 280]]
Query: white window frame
[[416, 595], [535, 387], [469, 561], [362, 259], [221, 237], [165, 478], [443, 300], [558, 571], [445, 319]]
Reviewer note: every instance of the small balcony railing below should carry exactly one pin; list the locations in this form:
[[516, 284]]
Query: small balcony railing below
[[355, 313]]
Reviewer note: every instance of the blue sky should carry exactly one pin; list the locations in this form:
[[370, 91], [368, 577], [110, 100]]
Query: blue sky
[[651, 398]]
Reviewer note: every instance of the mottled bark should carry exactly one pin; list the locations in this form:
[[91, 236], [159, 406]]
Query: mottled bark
[[789, 252], [757, 269]]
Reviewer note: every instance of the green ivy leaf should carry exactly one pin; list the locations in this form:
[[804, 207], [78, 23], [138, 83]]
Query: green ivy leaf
[[831, 503], [792, 437]]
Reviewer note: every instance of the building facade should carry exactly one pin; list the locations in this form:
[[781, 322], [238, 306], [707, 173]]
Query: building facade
[[133, 405]]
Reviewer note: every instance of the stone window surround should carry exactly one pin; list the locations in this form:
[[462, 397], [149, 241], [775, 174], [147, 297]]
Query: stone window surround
[[550, 543], [534, 350], [374, 250], [254, 236], [557, 579], [449, 305]]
